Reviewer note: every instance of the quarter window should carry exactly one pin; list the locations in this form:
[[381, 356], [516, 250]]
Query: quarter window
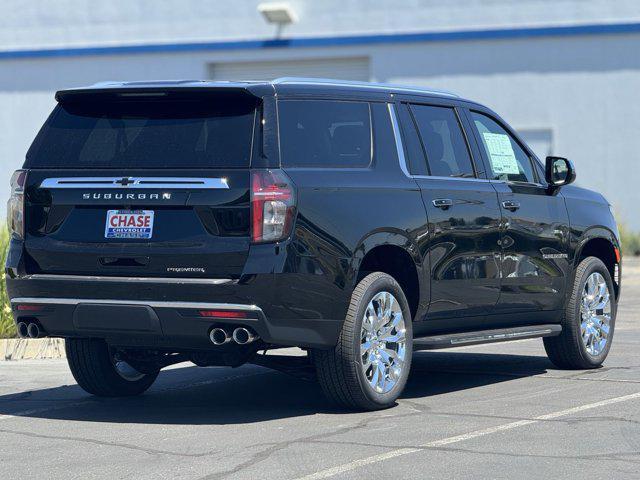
[[507, 159], [322, 133], [443, 141]]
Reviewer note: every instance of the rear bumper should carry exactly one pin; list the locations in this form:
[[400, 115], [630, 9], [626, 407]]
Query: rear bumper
[[162, 312]]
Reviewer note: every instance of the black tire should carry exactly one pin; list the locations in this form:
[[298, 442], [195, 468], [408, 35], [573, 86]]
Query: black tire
[[568, 350], [91, 363], [339, 369]]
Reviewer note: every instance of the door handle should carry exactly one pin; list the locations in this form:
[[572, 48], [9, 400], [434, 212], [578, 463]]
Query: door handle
[[511, 205], [443, 203]]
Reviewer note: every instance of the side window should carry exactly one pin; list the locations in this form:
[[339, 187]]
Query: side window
[[324, 133], [384, 143], [443, 141], [507, 159], [416, 162]]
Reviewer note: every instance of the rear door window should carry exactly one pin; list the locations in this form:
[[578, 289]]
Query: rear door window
[[417, 162], [385, 151], [507, 159], [443, 141], [198, 132], [325, 133]]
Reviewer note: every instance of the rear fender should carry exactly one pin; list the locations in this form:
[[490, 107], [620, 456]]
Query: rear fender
[[397, 238]]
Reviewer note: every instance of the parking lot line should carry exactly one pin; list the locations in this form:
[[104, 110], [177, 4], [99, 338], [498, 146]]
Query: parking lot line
[[346, 467]]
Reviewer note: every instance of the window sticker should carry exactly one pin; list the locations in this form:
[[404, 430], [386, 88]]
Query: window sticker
[[503, 160]]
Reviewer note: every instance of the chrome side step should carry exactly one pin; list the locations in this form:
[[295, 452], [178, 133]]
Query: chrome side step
[[435, 342]]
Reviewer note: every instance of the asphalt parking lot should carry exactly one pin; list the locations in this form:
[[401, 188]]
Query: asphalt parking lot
[[496, 411]]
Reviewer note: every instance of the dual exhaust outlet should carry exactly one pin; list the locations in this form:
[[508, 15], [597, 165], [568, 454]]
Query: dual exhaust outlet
[[218, 336], [30, 330], [241, 335]]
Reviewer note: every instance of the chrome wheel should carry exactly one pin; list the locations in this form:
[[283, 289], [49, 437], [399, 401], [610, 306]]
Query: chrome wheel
[[383, 342], [595, 314]]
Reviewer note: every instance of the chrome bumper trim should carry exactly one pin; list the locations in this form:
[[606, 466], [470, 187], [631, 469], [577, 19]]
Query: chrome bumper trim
[[99, 278], [148, 303]]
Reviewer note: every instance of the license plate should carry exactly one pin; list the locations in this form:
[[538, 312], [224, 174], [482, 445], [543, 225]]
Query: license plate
[[129, 224]]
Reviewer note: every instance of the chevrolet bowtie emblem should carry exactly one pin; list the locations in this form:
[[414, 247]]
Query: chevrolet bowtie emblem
[[125, 181]]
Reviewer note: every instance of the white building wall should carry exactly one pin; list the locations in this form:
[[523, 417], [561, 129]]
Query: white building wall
[[65, 23], [582, 89]]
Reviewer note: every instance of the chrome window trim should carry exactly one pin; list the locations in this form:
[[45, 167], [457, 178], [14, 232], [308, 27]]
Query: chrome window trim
[[463, 179], [102, 278], [148, 303], [521, 184], [396, 135], [135, 182]]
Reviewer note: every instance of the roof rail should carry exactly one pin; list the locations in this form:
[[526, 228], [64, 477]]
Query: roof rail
[[354, 83]]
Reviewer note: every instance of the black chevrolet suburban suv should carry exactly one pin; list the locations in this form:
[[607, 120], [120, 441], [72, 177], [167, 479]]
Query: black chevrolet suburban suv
[[161, 222]]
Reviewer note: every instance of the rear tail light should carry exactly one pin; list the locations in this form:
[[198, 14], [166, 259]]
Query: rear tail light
[[273, 203], [30, 308], [15, 205]]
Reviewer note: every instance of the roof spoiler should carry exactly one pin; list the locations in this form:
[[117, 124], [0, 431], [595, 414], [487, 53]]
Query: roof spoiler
[[163, 89]]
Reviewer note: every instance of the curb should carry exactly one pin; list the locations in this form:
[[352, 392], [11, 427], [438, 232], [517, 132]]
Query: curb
[[31, 349]]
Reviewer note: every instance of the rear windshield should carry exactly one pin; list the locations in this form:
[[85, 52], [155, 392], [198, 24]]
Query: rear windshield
[[196, 132]]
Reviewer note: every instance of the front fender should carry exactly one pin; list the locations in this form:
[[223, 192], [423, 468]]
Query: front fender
[[602, 232]]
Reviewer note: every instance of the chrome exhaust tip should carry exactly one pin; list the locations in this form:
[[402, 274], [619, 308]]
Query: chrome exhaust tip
[[242, 336], [23, 330], [33, 330], [219, 336]]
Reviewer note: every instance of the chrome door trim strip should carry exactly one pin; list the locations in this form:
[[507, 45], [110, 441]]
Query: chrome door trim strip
[[134, 182], [102, 278], [463, 179], [148, 303]]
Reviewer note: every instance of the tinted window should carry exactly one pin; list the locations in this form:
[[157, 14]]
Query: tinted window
[[196, 133], [443, 140], [384, 143], [416, 161], [321, 133], [507, 159]]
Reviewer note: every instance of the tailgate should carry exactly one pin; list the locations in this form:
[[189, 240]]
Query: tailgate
[[197, 223]]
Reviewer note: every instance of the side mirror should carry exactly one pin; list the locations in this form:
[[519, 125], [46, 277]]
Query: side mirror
[[559, 171]]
